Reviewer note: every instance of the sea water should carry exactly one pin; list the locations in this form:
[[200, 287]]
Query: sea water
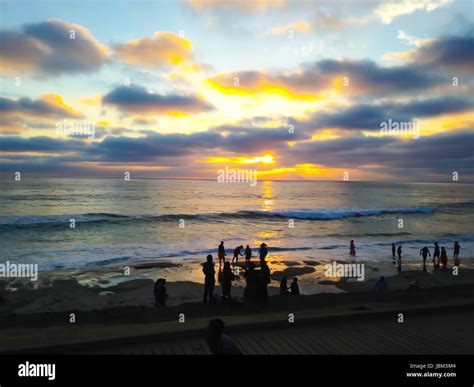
[[117, 221]]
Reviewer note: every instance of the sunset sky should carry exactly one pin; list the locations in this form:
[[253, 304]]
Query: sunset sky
[[294, 89]]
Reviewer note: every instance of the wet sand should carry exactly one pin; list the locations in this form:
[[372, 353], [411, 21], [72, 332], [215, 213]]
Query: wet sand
[[132, 286]]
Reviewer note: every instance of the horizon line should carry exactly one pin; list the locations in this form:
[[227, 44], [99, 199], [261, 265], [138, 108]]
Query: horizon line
[[262, 180]]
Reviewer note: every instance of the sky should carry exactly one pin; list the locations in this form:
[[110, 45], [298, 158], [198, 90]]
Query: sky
[[297, 90]]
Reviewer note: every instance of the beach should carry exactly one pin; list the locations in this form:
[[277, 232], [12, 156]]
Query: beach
[[107, 298], [98, 276]]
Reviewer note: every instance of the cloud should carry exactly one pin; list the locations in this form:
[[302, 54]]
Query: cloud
[[370, 116], [299, 26], [425, 159], [39, 144], [448, 52], [389, 11], [247, 6], [327, 21], [49, 105], [313, 79], [51, 47], [411, 40], [165, 48], [138, 100]]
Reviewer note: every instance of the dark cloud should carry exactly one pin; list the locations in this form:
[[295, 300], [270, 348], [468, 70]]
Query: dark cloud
[[48, 106], [366, 76], [52, 47], [369, 117], [151, 147], [139, 100], [455, 53], [354, 77], [39, 144], [422, 158]]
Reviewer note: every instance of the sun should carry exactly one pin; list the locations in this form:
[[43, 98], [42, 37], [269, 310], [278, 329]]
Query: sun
[[268, 159]]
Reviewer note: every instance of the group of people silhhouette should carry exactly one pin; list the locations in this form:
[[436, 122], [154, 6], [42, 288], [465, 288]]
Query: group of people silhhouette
[[286, 290], [257, 280], [440, 256]]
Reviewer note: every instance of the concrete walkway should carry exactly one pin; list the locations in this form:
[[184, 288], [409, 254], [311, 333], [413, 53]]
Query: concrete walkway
[[439, 333]]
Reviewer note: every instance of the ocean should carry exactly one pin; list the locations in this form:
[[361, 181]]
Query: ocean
[[119, 222]]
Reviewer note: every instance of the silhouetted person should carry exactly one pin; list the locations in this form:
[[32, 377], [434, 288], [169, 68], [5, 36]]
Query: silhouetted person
[[457, 248], [227, 278], [218, 343], [436, 255], [209, 281], [444, 258], [399, 253], [250, 292], [295, 289], [263, 252], [284, 289], [424, 252], [263, 280], [380, 285], [248, 254], [160, 292], [352, 249], [237, 252], [221, 253], [393, 251]]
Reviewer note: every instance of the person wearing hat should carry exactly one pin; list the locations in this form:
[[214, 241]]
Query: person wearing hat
[[263, 252]]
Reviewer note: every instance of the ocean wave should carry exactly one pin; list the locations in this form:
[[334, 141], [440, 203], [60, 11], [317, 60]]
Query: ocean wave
[[338, 213], [9, 223]]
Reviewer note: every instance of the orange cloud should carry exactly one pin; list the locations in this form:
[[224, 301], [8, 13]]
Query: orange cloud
[[252, 83], [302, 171], [165, 48], [300, 26], [266, 159], [243, 5]]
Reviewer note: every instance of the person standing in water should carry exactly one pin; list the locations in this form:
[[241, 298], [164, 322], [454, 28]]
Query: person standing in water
[[457, 248], [263, 252], [237, 252], [436, 254], [209, 281], [248, 254], [424, 252], [352, 249], [399, 253], [444, 258], [221, 253]]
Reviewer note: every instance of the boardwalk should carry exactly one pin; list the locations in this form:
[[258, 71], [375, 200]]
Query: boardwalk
[[449, 333]]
